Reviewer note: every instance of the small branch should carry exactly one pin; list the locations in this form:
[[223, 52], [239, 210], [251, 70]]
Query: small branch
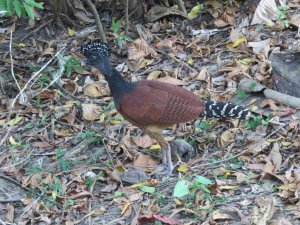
[[12, 63], [126, 17], [180, 4], [98, 20]]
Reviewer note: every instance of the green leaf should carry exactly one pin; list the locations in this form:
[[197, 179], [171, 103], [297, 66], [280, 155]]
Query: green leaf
[[283, 8], [181, 189], [115, 26], [147, 189], [18, 7], [9, 8], [29, 10], [34, 4], [203, 180], [3, 5]]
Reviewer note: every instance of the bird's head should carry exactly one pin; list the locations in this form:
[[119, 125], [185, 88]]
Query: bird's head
[[95, 52]]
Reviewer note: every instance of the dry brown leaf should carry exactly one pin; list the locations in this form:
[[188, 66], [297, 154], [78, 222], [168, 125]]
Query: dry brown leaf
[[48, 51], [139, 49], [91, 111], [10, 213], [143, 141], [41, 144], [63, 133], [261, 47], [275, 157], [71, 86], [281, 221], [70, 118], [263, 214], [219, 215], [94, 90], [269, 102], [145, 161], [154, 75], [109, 188], [268, 169], [227, 137], [203, 75], [167, 42], [171, 80], [228, 18], [265, 12]]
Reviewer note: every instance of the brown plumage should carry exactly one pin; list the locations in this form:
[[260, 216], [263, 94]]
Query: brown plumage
[[154, 102]]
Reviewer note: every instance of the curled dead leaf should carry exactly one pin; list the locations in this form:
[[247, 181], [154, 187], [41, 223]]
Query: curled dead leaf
[[227, 137], [91, 111]]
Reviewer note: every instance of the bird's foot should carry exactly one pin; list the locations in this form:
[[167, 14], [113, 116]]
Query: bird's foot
[[164, 169]]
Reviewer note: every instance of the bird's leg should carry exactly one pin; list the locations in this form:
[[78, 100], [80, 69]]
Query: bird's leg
[[155, 133], [169, 159]]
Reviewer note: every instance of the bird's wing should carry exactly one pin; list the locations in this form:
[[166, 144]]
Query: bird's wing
[[158, 103]]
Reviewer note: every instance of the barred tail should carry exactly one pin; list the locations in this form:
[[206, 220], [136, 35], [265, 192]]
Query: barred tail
[[225, 110]]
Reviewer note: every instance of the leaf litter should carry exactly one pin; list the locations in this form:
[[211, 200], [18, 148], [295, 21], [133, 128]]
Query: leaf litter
[[72, 159]]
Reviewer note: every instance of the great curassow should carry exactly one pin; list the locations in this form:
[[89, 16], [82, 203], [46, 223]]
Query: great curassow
[[152, 105]]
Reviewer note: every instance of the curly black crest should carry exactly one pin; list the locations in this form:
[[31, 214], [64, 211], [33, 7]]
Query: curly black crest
[[95, 47]]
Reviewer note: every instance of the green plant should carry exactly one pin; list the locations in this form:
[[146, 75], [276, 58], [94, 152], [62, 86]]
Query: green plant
[[120, 36], [281, 16], [21, 7], [56, 189], [255, 121], [91, 136], [241, 94], [62, 163], [71, 64], [43, 80]]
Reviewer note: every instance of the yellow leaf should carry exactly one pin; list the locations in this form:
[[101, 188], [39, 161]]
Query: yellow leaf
[[253, 100], [13, 142], [288, 187], [182, 168], [115, 122], [254, 108], [194, 11], [102, 118], [246, 61], [137, 185], [228, 187], [120, 169], [190, 61], [154, 75], [71, 32], [21, 45], [271, 140], [227, 174], [238, 42], [69, 104], [229, 45], [54, 194], [177, 202], [286, 143], [155, 147], [15, 121]]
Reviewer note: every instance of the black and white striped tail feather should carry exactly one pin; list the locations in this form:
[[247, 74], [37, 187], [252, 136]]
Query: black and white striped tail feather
[[225, 110]]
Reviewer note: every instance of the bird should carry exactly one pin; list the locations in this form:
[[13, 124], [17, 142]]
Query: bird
[[153, 105]]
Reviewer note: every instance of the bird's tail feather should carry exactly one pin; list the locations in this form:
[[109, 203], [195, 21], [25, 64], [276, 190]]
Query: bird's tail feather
[[225, 110]]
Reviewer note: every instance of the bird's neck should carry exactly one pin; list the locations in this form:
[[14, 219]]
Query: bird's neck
[[117, 84]]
